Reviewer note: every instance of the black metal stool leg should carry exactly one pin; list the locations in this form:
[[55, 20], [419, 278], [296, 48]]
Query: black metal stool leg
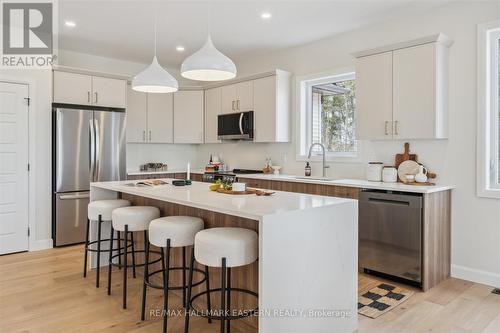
[[146, 275], [86, 249], [184, 277], [97, 278], [125, 267], [165, 287], [190, 285], [110, 260], [119, 249], [223, 296], [133, 253], [229, 297], [207, 283]]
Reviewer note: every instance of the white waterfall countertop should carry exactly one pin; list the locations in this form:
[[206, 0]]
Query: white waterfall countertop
[[198, 195]]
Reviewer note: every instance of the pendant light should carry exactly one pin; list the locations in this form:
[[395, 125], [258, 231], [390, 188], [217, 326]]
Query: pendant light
[[155, 79], [208, 63]]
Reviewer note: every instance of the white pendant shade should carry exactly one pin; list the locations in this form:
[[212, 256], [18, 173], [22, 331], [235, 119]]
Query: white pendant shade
[[154, 79], [208, 64]]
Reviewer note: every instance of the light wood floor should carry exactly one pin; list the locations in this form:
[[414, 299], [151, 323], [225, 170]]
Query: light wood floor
[[45, 292]]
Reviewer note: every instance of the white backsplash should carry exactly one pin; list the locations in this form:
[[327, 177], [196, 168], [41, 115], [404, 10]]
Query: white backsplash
[[176, 156]]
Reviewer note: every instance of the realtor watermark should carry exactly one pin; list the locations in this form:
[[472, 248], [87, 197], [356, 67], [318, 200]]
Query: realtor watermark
[[27, 35], [270, 313]]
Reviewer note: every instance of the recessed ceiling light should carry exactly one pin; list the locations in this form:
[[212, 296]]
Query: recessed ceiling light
[[265, 15], [70, 24], [180, 48]]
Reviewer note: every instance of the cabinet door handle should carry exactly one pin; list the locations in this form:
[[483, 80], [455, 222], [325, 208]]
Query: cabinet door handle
[[386, 129], [88, 96], [396, 127], [150, 135], [232, 105], [238, 105], [143, 135], [96, 97]]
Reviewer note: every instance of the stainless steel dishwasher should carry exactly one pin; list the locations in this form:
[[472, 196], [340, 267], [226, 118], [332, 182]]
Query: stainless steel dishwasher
[[390, 235]]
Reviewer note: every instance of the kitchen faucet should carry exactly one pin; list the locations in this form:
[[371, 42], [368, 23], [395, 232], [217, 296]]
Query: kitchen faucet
[[323, 148]]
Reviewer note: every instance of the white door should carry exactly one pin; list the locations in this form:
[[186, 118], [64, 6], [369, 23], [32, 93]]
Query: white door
[[374, 97], [136, 116], [228, 99], [13, 167], [265, 109], [160, 118], [72, 88], [244, 96], [212, 110], [414, 74], [188, 117], [109, 92]]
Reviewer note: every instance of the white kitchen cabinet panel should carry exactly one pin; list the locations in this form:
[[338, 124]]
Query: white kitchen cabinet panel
[[244, 96], [136, 116], [212, 110], [416, 111], [188, 117], [109, 92], [272, 108], [72, 88], [374, 97], [228, 99], [160, 118]]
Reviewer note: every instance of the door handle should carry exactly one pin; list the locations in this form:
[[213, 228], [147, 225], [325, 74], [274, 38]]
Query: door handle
[[92, 149], [241, 123], [88, 96], [74, 196], [232, 105], [143, 135], [238, 104], [150, 135], [97, 150], [386, 130], [95, 97], [396, 127]]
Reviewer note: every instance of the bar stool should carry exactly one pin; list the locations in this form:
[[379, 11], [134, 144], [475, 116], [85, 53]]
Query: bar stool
[[99, 211], [224, 248], [129, 220], [167, 233]]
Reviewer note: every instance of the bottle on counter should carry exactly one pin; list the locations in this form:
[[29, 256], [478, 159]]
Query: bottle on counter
[[307, 170]]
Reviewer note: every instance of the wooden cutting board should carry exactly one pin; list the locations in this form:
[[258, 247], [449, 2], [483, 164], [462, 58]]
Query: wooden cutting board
[[400, 158], [247, 191]]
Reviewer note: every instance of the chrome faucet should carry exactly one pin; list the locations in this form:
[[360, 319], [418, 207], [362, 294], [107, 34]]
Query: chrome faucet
[[323, 148]]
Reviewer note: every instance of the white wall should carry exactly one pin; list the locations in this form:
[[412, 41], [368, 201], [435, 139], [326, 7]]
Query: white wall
[[40, 90], [475, 221]]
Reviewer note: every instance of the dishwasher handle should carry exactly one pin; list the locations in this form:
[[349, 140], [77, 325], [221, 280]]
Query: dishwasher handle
[[388, 201]]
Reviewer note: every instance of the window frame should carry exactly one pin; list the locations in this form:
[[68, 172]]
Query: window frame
[[488, 36], [303, 90]]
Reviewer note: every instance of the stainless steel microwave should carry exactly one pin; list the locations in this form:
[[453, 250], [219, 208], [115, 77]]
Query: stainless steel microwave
[[235, 126]]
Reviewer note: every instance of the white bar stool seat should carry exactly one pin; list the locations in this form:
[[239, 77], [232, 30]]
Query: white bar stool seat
[[105, 208], [137, 218], [181, 230], [239, 246]]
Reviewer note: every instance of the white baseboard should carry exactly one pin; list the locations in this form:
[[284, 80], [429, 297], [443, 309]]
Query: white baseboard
[[475, 275], [41, 244]]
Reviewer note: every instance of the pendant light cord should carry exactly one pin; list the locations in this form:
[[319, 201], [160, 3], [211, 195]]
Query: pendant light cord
[[155, 34]]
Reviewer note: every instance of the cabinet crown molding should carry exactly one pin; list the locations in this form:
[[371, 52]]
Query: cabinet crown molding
[[439, 38]]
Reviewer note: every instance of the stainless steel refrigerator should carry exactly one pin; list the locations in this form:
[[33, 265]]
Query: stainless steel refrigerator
[[88, 146]]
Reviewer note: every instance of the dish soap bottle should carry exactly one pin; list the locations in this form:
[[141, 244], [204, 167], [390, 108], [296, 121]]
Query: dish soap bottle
[[308, 169]]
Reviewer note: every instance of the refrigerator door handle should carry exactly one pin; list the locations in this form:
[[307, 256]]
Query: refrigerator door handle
[[92, 149], [74, 196], [97, 149]]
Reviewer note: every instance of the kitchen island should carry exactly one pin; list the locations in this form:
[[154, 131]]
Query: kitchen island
[[306, 275]]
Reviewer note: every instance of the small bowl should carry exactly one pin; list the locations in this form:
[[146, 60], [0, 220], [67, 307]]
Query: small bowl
[[410, 178]]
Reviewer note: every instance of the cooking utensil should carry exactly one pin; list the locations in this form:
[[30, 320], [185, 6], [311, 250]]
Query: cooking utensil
[[400, 158]]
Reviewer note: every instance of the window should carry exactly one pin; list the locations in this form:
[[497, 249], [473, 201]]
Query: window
[[489, 110], [327, 115]]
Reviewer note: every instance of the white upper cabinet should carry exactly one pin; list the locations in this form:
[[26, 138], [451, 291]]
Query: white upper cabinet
[[228, 99], [149, 117], [271, 102], [109, 92], [188, 117], [401, 93], [237, 97], [73, 88], [160, 118], [212, 110], [136, 116], [374, 97]]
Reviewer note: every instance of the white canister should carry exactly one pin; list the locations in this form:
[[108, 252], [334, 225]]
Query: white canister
[[374, 171], [389, 174], [239, 187]]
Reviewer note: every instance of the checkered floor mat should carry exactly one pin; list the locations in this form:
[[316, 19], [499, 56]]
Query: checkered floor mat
[[381, 299]]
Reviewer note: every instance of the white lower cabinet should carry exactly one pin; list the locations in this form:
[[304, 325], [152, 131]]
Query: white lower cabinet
[[188, 117]]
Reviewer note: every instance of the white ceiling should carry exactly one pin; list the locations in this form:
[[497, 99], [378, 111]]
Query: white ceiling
[[124, 29]]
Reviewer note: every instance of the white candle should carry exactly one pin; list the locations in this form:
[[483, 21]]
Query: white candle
[[189, 171]]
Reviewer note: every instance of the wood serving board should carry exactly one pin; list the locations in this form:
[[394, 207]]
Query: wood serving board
[[400, 158], [420, 184], [247, 191]]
